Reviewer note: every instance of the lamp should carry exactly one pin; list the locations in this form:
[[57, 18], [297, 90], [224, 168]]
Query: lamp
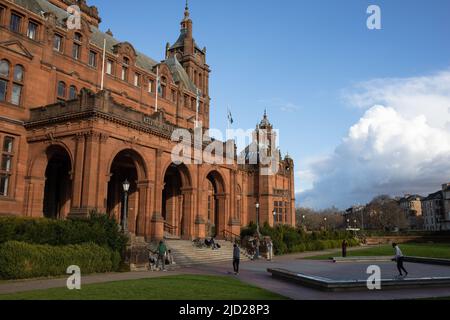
[[126, 188], [257, 219]]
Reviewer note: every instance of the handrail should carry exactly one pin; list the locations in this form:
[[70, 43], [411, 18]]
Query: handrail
[[169, 228], [234, 237]]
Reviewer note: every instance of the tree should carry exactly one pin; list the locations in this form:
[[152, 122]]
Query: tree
[[312, 220], [384, 213]]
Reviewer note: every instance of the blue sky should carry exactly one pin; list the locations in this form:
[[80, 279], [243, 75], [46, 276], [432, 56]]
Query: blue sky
[[301, 60]]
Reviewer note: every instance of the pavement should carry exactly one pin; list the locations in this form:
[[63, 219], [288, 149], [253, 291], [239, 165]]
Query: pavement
[[255, 273]]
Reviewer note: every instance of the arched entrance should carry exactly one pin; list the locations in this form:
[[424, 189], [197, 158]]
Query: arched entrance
[[58, 183], [126, 166], [175, 201], [216, 204]]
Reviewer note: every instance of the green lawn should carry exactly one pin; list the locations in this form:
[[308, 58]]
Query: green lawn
[[185, 287], [435, 250]]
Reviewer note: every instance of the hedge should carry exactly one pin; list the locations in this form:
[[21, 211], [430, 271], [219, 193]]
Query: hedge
[[287, 239], [98, 229], [20, 260]]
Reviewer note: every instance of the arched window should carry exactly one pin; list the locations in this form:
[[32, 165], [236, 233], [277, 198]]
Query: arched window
[[17, 85], [73, 93], [4, 68], [18, 73], [61, 89], [4, 79]]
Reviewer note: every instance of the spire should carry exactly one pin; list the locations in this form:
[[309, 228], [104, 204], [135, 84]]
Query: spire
[[265, 121], [186, 11]]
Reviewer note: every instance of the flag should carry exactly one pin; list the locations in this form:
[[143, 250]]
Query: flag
[[158, 83], [158, 88], [230, 117]]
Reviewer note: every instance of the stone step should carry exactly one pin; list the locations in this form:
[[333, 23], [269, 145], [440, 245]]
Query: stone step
[[185, 253]]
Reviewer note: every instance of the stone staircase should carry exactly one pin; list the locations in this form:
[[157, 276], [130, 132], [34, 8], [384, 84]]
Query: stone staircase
[[185, 254]]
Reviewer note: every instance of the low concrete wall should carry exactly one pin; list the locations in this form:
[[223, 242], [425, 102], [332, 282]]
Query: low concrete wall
[[404, 239]]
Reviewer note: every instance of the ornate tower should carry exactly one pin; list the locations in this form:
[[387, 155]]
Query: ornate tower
[[190, 56]]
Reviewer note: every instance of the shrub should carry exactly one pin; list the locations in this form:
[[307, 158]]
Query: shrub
[[287, 239], [20, 260], [98, 229]]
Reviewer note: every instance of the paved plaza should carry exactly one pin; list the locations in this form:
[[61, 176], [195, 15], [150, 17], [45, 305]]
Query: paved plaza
[[255, 273]]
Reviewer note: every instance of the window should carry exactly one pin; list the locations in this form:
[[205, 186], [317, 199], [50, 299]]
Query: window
[[124, 73], [2, 11], [61, 89], [32, 30], [4, 78], [73, 93], [126, 63], [109, 67], [15, 22], [137, 80], [17, 85], [174, 95], [57, 43], [6, 165], [76, 49], [78, 38], [18, 73], [93, 59], [150, 86]]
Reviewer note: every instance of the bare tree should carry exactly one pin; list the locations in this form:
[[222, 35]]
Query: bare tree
[[384, 213]]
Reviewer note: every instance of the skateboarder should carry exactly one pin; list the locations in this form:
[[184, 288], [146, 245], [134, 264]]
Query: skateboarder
[[399, 258]]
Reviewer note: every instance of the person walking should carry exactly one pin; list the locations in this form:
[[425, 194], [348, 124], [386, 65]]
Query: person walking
[[257, 245], [269, 244], [399, 258], [344, 248], [236, 258], [162, 249]]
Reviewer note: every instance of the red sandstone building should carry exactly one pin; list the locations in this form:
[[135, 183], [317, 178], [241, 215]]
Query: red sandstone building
[[67, 145]]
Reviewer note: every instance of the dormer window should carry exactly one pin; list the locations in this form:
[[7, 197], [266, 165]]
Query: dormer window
[[126, 63], [109, 67], [76, 49], [137, 80]]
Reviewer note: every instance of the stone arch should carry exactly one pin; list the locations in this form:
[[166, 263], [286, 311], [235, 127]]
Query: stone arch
[[127, 164], [217, 201], [177, 200]]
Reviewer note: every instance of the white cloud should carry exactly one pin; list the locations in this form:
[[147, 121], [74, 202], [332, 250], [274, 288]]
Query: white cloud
[[400, 145]]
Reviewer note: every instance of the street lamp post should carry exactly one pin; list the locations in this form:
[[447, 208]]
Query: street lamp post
[[274, 217], [348, 223], [325, 220], [257, 219], [126, 188]]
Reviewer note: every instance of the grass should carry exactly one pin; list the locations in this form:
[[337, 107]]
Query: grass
[[185, 287], [427, 250]]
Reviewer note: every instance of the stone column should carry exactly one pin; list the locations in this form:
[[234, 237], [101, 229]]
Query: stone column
[[157, 220], [34, 195]]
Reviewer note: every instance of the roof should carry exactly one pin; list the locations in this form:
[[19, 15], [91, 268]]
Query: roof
[[434, 196], [97, 38], [179, 74]]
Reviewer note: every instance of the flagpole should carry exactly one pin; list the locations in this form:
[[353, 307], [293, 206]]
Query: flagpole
[[157, 88], [196, 108], [103, 65]]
